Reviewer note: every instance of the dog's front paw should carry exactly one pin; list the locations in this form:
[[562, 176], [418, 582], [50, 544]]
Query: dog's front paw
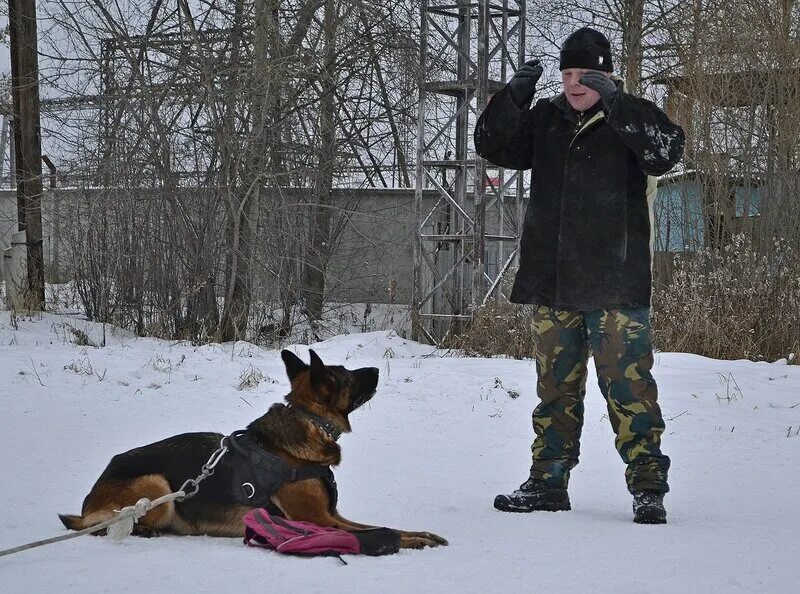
[[420, 540]]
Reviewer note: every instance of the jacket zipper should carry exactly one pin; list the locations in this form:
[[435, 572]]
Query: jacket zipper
[[564, 178], [580, 128], [569, 150], [578, 131]]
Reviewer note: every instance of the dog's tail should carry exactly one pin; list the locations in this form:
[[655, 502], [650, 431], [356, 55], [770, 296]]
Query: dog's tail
[[72, 522]]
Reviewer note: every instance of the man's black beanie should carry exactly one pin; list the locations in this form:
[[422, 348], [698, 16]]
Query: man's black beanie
[[586, 48]]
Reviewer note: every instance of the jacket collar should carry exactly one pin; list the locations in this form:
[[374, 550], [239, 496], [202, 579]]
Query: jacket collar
[[560, 101]]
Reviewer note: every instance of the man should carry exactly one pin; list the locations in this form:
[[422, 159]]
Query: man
[[585, 262]]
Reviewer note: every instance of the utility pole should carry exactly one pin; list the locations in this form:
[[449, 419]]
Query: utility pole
[[27, 141]]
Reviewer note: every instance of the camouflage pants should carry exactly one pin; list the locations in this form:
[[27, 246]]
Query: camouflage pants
[[620, 343]]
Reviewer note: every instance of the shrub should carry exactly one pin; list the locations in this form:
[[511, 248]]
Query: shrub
[[731, 303]]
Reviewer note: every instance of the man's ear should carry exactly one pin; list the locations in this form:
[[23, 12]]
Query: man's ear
[[294, 365], [318, 373]]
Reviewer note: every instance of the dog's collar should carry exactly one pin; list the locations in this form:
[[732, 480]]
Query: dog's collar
[[327, 426]]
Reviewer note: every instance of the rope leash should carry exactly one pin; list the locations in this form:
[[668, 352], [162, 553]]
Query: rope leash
[[121, 525]]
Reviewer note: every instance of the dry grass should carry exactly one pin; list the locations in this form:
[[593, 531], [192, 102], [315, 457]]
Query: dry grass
[[732, 304], [499, 328], [728, 304]]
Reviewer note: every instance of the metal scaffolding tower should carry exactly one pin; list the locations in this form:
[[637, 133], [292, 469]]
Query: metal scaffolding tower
[[466, 232]]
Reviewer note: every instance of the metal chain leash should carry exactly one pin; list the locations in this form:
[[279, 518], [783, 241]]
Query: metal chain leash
[[206, 471]]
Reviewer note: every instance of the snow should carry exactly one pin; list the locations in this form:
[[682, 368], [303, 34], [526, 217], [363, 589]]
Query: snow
[[429, 452]]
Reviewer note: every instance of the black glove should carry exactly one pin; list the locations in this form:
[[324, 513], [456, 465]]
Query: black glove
[[523, 83], [607, 88]]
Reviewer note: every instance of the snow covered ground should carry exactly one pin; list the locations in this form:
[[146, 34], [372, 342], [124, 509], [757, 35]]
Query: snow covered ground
[[442, 436]]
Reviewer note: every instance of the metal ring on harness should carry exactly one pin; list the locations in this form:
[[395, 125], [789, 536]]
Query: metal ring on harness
[[252, 490]]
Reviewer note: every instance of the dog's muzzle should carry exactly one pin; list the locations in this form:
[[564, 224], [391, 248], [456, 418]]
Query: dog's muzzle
[[366, 384]]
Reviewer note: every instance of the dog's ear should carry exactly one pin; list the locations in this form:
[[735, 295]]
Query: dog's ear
[[318, 373], [294, 364]]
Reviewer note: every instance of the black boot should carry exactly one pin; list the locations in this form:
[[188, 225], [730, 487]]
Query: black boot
[[648, 507], [533, 495]]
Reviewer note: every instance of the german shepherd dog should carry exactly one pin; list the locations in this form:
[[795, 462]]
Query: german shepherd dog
[[301, 434]]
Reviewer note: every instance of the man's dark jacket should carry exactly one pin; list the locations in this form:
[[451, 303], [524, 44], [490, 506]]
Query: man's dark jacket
[[586, 239]]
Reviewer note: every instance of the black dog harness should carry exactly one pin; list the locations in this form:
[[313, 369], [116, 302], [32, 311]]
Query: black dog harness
[[258, 474]]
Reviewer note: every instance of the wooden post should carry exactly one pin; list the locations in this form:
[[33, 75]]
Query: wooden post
[[27, 140]]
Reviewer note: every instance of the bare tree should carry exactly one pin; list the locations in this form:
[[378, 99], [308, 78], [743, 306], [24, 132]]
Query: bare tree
[[27, 141], [222, 131]]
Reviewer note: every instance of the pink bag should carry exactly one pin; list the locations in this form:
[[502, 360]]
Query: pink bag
[[303, 538]]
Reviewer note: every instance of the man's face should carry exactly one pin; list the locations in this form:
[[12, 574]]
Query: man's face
[[580, 98]]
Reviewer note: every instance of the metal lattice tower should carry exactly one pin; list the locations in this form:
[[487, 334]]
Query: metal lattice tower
[[468, 214]]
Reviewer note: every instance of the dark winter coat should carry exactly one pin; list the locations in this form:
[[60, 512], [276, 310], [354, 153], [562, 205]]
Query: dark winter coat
[[586, 238]]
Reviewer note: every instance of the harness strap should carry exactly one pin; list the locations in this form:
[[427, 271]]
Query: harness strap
[[310, 471], [264, 472]]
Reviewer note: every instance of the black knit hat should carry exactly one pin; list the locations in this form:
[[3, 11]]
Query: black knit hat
[[586, 48]]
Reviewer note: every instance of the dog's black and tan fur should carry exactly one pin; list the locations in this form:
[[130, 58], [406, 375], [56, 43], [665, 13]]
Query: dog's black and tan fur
[[330, 392]]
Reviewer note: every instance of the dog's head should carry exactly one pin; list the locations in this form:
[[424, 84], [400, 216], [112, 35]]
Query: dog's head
[[330, 388]]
